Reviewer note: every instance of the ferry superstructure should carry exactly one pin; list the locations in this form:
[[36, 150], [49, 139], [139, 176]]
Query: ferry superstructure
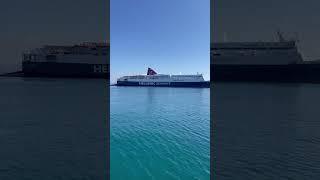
[[88, 60], [261, 61], [154, 79]]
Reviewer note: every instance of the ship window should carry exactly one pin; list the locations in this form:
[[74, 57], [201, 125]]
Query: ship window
[[51, 57]]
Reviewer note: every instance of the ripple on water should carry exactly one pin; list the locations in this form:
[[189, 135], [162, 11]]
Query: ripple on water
[[162, 133]]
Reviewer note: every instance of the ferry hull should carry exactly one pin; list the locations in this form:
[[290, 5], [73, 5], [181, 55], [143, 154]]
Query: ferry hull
[[266, 73], [204, 84], [65, 70]]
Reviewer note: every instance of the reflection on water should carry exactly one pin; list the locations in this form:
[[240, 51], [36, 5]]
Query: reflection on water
[[266, 131]]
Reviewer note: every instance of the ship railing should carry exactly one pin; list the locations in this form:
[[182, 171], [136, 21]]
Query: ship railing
[[30, 57], [95, 44]]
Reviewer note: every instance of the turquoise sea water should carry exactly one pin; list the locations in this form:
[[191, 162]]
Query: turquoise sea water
[[266, 131], [53, 129], [159, 133]]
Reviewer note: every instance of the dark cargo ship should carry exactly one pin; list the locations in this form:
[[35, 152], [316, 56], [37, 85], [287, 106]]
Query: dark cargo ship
[[262, 62], [86, 60]]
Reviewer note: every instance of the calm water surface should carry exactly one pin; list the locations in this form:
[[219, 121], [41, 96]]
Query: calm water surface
[[160, 133], [266, 131], [53, 129]]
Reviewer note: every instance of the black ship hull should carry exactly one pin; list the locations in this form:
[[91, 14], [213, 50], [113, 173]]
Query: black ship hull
[[202, 84], [65, 70], [309, 73]]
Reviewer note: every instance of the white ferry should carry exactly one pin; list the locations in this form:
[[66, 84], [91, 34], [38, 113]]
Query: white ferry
[[261, 61], [85, 60], [154, 79]]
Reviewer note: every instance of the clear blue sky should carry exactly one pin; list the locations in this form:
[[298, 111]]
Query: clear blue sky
[[171, 36]]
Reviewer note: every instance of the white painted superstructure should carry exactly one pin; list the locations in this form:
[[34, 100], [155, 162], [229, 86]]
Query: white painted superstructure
[[280, 52], [163, 78], [86, 53]]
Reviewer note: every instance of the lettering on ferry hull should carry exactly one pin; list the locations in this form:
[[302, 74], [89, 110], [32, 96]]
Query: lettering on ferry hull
[[99, 68], [154, 83]]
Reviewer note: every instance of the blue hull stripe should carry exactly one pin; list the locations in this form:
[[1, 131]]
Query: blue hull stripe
[[204, 84], [271, 73], [72, 70]]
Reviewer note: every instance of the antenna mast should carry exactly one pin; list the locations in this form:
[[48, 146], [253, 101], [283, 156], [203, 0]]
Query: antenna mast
[[296, 36], [280, 36]]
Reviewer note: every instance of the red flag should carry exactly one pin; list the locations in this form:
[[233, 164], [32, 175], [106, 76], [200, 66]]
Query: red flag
[[151, 72]]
